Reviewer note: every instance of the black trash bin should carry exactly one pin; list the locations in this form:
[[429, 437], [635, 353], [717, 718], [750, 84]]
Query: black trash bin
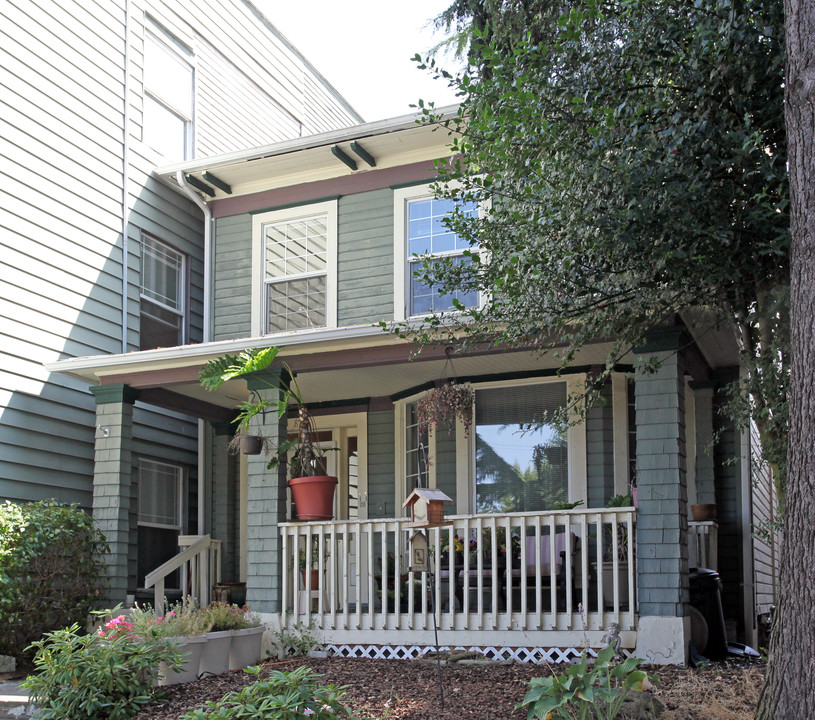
[[706, 597]]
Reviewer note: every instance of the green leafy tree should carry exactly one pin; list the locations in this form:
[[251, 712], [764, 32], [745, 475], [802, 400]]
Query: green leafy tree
[[632, 159]]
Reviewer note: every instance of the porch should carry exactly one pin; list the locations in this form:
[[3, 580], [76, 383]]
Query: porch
[[510, 586]]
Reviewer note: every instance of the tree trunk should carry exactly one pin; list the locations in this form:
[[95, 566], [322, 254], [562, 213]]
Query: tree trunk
[[789, 687]]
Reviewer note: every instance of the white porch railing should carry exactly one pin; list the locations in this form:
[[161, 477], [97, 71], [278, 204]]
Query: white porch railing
[[200, 563], [508, 576], [703, 538]]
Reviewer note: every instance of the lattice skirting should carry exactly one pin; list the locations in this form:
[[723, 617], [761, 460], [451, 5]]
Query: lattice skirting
[[410, 652]]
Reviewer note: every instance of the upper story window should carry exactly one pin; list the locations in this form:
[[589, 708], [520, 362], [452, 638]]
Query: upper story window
[[295, 287], [168, 95], [161, 301], [419, 231]]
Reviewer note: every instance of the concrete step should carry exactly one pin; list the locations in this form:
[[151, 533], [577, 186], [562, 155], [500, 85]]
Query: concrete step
[[14, 703]]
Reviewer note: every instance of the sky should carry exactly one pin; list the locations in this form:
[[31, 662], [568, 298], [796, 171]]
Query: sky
[[363, 48]]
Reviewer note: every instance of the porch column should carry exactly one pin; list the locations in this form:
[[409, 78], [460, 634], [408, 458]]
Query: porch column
[[223, 489], [114, 506], [662, 521], [266, 504], [705, 465]]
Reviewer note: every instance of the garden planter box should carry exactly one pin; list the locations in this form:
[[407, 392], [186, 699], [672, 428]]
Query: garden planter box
[[245, 647], [215, 657], [191, 650]]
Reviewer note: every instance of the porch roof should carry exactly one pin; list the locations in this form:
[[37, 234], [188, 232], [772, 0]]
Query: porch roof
[[332, 365]]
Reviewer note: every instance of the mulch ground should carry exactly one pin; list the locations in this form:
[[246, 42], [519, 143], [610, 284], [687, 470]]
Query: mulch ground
[[408, 690]]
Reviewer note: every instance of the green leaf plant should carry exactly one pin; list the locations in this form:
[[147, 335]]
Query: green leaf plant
[[300, 453], [294, 695], [95, 676], [586, 690]]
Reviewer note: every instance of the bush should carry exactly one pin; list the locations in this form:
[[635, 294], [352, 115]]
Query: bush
[[94, 676], [51, 569], [281, 696]]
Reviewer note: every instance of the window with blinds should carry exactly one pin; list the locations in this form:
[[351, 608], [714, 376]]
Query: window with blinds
[[520, 469], [159, 494]]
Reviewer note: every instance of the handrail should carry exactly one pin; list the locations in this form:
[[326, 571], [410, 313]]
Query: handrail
[[157, 576]]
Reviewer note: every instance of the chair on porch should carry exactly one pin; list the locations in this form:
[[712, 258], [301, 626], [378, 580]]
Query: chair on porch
[[537, 562]]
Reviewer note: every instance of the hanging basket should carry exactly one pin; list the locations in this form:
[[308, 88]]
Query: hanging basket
[[314, 496], [251, 444]]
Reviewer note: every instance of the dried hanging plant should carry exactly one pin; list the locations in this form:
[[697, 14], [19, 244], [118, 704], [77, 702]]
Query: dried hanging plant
[[446, 403]]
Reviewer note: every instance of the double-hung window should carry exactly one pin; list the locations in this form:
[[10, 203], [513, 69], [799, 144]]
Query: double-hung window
[[420, 233], [162, 307], [298, 257], [160, 488], [168, 95]]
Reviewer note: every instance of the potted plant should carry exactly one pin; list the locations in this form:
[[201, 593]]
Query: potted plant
[[223, 619], [186, 627], [312, 491], [247, 639]]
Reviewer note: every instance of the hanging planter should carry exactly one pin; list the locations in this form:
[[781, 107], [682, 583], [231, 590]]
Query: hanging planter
[[250, 444], [446, 403]]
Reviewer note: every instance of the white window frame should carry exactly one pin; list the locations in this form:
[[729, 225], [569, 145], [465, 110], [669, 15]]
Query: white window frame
[[401, 262], [259, 221], [576, 450], [181, 478], [178, 52], [181, 311]]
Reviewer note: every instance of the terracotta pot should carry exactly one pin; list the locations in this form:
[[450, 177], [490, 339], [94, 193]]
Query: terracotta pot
[[314, 496], [251, 444], [315, 579], [703, 512]]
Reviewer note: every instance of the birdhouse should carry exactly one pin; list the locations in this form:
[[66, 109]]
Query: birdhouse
[[426, 507], [418, 552]]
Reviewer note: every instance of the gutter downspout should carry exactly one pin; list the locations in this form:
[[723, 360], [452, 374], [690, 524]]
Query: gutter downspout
[[203, 503]]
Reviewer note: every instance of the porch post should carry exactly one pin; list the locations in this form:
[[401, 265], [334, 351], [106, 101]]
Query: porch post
[[705, 466], [114, 507], [266, 504], [222, 485], [662, 522]]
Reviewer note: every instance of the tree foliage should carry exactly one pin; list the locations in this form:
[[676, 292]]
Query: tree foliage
[[631, 158]]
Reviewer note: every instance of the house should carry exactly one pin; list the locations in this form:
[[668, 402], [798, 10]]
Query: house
[[96, 256], [313, 243]]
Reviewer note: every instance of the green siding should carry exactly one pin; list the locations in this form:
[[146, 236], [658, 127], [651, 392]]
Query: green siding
[[365, 258], [233, 277], [445, 462], [381, 453], [600, 450]]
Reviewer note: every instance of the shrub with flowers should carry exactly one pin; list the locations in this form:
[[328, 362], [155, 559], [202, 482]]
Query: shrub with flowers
[[107, 674], [117, 627]]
